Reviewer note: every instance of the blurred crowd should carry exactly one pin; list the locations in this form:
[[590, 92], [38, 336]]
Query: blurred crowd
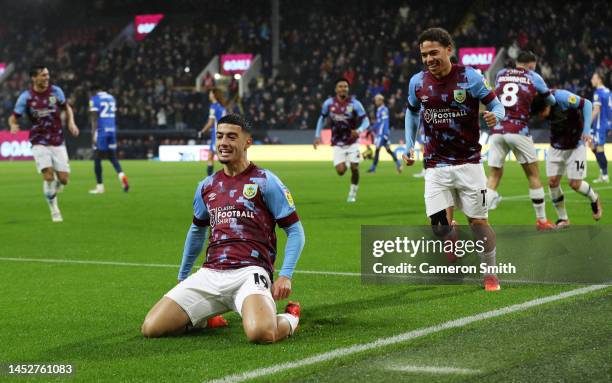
[[373, 45]]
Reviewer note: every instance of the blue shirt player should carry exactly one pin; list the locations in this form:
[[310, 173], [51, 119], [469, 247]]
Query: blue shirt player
[[102, 109], [381, 133], [217, 110], [602, 110]]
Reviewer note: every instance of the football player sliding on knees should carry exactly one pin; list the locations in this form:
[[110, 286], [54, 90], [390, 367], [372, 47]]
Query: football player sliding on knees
[[241, 204]]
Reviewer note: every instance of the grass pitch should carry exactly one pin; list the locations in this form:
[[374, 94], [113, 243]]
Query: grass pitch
[[118, 253]]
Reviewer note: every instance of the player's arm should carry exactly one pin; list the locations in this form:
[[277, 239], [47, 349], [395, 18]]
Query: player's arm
[[321, 123], [93, 119], [279, 201], [411, 120], [479, 88], [596, 106], [18, 111], [196, 235], [542, 89], [211, 120], [63, 103], [361, 113]]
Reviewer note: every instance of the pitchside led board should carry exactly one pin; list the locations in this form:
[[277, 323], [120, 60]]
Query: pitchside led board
[[2, 68], [15, 146], [236, 63], [480, 57], [145, 24]]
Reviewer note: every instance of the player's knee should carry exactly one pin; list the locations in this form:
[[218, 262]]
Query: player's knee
[[150, 329], [341, 170], [261, 334], [575, 184], [439, 223], [63, 179], [553, 183]]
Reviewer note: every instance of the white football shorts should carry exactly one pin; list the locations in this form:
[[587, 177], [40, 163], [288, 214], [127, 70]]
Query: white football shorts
[[210, 292], [55, 157], [501, 144], [347, 153], [462, 186], [571, 160]]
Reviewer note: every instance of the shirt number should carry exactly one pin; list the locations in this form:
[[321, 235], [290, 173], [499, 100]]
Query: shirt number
[[509, 96], [108, 109]]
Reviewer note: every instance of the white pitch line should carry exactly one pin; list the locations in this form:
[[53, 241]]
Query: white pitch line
[[157, 265], [383, 342], [526, 196], [311, 272], [433, 369]]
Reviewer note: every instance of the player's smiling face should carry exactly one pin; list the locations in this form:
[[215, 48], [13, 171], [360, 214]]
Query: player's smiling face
[[342, 89], [41, 80], [232, 143], [436, 57]]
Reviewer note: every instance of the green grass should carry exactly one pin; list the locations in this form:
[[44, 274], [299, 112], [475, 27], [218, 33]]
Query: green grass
[[90, 314]]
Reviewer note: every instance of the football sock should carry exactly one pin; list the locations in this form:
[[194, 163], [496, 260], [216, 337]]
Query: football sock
[[115, 163], [353, 189], [489, 258], [558, 200], [491, 195], [537, 198], [292, 319], [209, 170], [376, 155], [603, 162], [49, 190], [586, 190], [98, 170]]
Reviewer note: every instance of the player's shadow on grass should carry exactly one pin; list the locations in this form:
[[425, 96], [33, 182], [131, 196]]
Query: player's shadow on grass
[[123, 345], [328, 314]]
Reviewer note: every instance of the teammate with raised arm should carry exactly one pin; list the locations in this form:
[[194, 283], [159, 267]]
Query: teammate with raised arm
[[242, 204], [348, 119], [516, 89], [445, 100]]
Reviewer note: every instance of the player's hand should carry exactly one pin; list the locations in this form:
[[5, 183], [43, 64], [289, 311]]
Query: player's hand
[[354, 133], [409, 159], [587, 139], [73, 129], [489, 118], [281, 288], [317, 141]]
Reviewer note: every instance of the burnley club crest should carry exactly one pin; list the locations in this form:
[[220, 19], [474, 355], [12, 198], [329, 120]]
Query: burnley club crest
[[459, 95], [249, 191]]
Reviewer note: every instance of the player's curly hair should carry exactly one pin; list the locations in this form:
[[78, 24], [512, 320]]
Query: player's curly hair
[[439, 35], [236, 119]]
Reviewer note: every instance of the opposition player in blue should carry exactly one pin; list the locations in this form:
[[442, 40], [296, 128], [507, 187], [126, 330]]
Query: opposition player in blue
[[602, 110], [381, 133], [102, 109], [216, 111], [570, 122], [347, 119]]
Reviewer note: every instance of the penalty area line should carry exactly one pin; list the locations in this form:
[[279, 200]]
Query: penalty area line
[[404, 337]]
